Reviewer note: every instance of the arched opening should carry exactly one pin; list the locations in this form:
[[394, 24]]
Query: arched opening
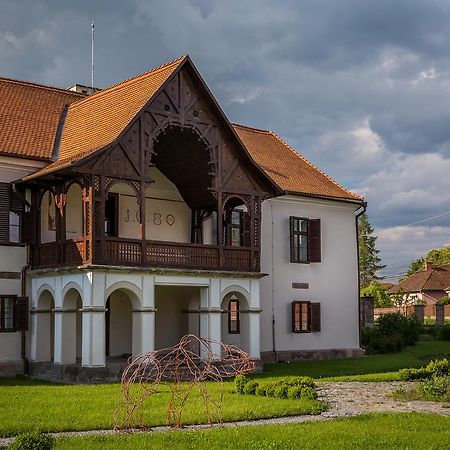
[[236, 224], [122, 325], [74, 212], [71, 327], [44, 327], [122, 212], [48, 218], [176, 314], [235, 320], [184, 158]]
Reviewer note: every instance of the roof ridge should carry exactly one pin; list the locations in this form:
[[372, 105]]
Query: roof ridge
[[128, 80], [313, 166], [258, 130], [42, 86]]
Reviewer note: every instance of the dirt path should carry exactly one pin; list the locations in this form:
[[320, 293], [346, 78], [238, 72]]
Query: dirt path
[[345, 399]]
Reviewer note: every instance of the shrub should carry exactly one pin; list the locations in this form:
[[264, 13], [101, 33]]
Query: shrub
[[392, 333], [239, 382], [250, 387], [33, 441], [302, 382], [295, 392], [438, 367], [414, 374], [308, 393], [281, 391], [261, 390], [434, 389], [270, 390], [444, 333]]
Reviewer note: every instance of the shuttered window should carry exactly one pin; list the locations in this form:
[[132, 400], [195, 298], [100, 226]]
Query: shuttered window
[[305, 317], [11, 210], [305, 242], [13, 313]]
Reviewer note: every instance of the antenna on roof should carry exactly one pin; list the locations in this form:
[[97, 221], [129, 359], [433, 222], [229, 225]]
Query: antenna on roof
[[92, 55]]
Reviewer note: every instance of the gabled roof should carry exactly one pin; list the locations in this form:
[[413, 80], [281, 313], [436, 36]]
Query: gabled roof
[[289, 170], [29, 117], [435, 279], [97, 120]]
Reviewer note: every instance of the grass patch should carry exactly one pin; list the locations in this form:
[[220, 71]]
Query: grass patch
[[374, 431], [31, 405], [382, 365]]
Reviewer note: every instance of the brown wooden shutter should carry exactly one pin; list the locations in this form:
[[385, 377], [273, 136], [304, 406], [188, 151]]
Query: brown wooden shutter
[[314, 245], [28, 228], [21, 314], [291, 239], [16, 202], [4, 212], [315, 316], [246, 238]]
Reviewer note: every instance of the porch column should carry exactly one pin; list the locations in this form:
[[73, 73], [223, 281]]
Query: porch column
[[254, 321], [147, 315], [210, 316], [93, 339]]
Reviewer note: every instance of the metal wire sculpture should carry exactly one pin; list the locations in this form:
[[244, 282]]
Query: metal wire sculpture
[[182, 367]]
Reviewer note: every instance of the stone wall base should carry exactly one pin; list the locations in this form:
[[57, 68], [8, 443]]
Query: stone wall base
[[305, 355], [75, 373], [11, 368]]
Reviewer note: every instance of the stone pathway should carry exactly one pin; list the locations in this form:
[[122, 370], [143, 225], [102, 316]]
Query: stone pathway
[[345, 399]]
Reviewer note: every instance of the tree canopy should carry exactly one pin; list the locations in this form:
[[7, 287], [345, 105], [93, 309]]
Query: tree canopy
[[435, 256], [369, 260], [379, 293]]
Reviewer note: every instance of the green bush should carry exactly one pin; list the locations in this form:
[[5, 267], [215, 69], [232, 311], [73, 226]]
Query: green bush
[[444, 333], [391, 334], [270, 390], [261, 390], [295, 392], [439, 367], [33, 441], [309, 393], [435, 388], [239, 382], [301, 382], [414, 374], [250, 387], [281, 391]]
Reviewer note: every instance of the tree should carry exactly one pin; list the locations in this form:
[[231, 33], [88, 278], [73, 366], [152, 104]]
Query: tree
[[435, 256], [369, 261], [379, 294]]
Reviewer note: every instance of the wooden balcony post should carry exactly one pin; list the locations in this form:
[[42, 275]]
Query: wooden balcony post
[[220, 228], [142, 237]]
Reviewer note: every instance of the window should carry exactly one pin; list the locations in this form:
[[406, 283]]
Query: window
[[238, 228], [13, 313], [11, 210], [305, 245], [233, 316], [112, 215], [305, 317]]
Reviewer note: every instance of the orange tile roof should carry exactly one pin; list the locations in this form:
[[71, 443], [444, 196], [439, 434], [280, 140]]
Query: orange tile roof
[[435, 279], [97, 120], [29, 117], [287, 168]]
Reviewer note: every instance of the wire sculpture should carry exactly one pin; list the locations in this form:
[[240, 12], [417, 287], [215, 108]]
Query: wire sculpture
[[182, 367]]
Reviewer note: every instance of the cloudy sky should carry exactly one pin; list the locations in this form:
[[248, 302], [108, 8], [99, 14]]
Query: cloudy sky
[[361, 88]]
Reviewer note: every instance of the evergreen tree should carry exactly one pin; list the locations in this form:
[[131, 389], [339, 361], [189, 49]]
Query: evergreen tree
[[369, 261]]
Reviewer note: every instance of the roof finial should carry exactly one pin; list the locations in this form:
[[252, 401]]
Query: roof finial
[[92, 55]]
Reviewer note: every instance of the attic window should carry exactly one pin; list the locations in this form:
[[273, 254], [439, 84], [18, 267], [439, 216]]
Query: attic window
[[166, 107], [195, 113]]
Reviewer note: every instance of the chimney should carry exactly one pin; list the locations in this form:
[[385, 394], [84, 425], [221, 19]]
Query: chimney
[[82, 89], [428, 265]]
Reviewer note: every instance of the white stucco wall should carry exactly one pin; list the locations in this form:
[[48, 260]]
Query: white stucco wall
[[333, 282], [12, 258]]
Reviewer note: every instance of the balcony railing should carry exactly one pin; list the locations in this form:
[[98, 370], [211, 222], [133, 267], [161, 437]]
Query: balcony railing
[[111, 251]]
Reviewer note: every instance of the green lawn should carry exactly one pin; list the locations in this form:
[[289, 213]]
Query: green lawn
[[367, 368], [31, 405], [377, 431]]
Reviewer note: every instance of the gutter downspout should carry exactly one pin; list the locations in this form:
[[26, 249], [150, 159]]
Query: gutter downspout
[[274, 346], [357, 216]]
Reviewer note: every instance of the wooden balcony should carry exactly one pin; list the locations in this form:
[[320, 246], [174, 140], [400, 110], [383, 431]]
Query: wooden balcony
[[111, 251]]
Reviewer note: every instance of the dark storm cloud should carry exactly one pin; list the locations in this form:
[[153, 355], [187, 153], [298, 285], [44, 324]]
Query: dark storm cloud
[[361, 88]]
